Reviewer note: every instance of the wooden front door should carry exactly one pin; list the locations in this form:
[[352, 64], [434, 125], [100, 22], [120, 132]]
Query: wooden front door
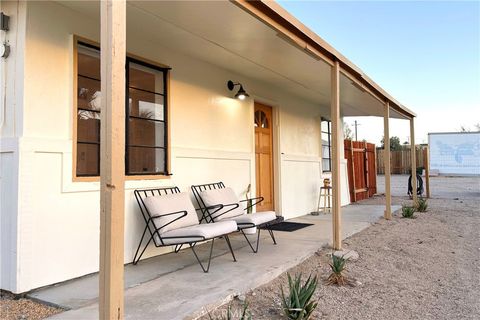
[[264, 156]]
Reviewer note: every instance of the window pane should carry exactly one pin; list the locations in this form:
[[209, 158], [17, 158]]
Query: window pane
[[88, 62], [146, 160], [145, 78], [88, 126], [88, 159], [88, 94], [145, 104], [325, 152], [146, 133], [325, 139], [326, 165]]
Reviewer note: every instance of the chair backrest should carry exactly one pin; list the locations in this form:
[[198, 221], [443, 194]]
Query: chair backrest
[[140, 195], [197, 189]]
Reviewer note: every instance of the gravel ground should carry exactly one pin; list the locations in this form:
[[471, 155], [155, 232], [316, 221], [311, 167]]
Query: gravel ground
[[20, 309], [423, 268]]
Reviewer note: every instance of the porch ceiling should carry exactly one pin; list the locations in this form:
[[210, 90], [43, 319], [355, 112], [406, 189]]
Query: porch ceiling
[[222, 34]]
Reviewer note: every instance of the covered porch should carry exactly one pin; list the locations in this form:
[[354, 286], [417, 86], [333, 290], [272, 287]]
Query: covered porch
[[179, 290]]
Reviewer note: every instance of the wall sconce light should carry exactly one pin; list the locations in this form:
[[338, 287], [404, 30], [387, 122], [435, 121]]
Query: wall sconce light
[[241, 94]]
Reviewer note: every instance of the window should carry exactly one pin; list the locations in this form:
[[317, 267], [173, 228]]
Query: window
[[261, 120], [146, 149], [146, 116], [88, 111], [326, 145]]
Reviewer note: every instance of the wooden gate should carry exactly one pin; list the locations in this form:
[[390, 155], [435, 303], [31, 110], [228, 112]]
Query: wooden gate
[[361, 168]]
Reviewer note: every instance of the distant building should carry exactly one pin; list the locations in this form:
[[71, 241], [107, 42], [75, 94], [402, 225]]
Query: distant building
[[455, 153]]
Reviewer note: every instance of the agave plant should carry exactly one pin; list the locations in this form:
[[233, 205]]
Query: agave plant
[[407, 211], [297, 305], [422, 205], [338, 266], [246, 315]]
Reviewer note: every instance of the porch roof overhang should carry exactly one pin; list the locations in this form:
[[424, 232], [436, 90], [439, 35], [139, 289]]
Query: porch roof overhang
[[261, 41]]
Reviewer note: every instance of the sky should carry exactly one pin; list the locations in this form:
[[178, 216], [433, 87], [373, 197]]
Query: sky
[[426, 54]]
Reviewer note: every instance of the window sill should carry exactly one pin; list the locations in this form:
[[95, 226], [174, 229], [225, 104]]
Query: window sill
[[127, 178]]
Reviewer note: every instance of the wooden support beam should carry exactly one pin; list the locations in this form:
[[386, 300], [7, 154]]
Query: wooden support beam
[[427, 171], [112, 155], [353, 171], [386, 160], [414, 164], [337, 143]]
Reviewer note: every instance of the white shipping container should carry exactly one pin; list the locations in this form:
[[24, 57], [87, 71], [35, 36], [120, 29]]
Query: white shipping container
[[455, 153]]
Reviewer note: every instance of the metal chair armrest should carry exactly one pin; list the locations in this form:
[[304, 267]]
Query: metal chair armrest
[[257, 201], [184, 213]]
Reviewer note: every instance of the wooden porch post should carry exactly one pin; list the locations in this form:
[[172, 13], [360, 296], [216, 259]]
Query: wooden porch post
[[336, 145], [427, 171], [386, 159], [413, 157], [112, 155]]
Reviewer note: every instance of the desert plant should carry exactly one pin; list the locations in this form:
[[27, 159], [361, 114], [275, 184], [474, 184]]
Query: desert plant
[[249, 201], [407, 211], [297, 305], [422, 205], [338, 266], [246, 315]]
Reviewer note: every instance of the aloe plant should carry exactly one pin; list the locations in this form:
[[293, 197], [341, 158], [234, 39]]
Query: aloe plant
[[407, 211], [249, 201], [422, 205], [338, 266], [298, 304]]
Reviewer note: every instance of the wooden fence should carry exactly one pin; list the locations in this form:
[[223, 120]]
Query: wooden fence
[[362, 177], [401, 161]]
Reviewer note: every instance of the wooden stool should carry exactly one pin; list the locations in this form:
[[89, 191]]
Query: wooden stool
[[325, 192]]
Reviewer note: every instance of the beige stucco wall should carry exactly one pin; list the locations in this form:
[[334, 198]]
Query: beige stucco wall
[[212, 139]]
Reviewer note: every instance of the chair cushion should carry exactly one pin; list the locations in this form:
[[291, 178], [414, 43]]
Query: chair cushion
[[169, 203], [257, 218], [222, 196], [199, 232]]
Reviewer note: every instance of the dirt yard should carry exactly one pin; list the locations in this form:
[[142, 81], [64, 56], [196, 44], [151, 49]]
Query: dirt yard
[[423, 268]]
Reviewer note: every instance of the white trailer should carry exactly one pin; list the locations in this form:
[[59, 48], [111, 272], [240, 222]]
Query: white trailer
[[455, 153]]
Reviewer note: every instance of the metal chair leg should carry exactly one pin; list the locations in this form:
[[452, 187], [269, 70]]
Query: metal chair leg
[[227, 239], [248, 241], [271, 235], [198, 259], [135, 259]]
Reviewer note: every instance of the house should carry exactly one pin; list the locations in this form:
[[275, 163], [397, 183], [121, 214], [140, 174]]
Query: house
[[183, 125]]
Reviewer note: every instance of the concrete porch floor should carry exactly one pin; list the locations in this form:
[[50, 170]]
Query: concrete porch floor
[[173, 286]]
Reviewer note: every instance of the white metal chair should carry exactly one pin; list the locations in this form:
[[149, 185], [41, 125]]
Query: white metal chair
[[171, 219], [212, 195]]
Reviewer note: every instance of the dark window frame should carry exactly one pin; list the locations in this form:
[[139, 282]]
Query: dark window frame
[[329, 143], [165, 120], [77, 109], [165, 71]]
